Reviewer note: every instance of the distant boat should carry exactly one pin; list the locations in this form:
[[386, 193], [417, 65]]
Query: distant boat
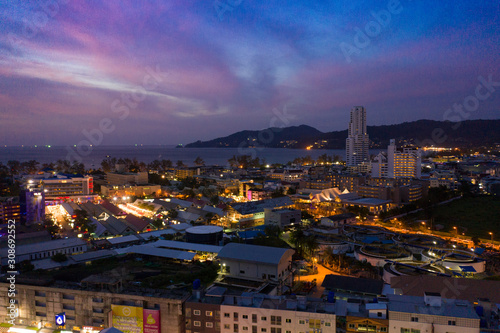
[[179, 146]]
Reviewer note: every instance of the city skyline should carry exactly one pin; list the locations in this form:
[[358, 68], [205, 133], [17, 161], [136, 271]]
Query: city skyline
[[176, 73]]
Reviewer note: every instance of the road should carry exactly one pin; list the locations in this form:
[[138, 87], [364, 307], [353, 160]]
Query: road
[[322, 272]]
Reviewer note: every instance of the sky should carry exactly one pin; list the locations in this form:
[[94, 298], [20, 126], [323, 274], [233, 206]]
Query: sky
[[169, 72]]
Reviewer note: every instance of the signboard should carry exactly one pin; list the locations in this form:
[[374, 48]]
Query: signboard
[[127, 319], [61, 319], [151, 320]]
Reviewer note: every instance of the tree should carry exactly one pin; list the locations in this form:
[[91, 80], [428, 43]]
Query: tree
[[59, 257], [179, 164], [311, 245], [14, 167], [166, 164], [297, 237], [273, 231], [279, 192], [82, 221], [199, 161]]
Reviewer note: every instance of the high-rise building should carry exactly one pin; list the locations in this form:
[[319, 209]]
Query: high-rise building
[[32, 204], [357, 142], [404, 163]]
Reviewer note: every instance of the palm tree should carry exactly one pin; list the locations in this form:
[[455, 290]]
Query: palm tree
[[311, 245], [297, 238]]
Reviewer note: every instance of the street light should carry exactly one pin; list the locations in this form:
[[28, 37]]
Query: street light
[[491, 234]]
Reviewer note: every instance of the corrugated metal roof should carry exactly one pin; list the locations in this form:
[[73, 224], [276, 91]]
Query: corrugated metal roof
[[254, 253], [123, 239], [187, 246], [157, 252]]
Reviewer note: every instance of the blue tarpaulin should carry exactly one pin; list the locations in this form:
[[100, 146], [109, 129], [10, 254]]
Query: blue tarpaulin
[[468, 269], [478, 250]]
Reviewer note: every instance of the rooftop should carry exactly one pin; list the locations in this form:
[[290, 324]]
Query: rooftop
[[355, 285], [416, 304], [254, 253]]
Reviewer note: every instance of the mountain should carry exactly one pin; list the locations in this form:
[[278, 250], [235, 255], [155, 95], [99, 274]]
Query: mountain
[[469, 133]]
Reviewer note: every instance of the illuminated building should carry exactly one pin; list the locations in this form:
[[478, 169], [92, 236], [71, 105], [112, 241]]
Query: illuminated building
[[357, 142]]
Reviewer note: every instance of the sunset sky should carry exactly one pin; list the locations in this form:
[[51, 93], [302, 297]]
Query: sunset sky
[[204, 69]]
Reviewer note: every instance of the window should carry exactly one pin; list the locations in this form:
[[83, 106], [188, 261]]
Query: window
[[188, 312], [263, 318], [226, 326], [383, 329], [254, 318], [288, 320], [235, 316], [414, 331], [242, 272], [197, 323], [451, 322], [254, 329], [209, 313], [353, 326], [263, 330], [244, 316], [245, 328], [275, 329], [275, 320], [302, 322], [197, 312], [227, 315], [379, 314], [288, 331], [414, 319], [327, 324], [209, 324], [235, 328]]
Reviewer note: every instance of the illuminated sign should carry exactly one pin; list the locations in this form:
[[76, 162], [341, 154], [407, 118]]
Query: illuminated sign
[[151, 319], [127, 319], [61, 319]]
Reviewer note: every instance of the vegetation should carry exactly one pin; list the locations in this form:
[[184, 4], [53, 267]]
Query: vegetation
[[479, 215], [82, 222]]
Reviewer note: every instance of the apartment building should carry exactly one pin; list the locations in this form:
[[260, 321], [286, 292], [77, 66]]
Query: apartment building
[[397, 163], [357, 142], [89, 306]]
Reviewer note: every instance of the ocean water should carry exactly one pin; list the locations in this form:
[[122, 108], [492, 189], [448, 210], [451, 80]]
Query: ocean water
[[149, 153]]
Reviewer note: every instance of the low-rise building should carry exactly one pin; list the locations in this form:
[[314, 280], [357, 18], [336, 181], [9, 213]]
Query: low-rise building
[[258, 263], [338, 220], [97, 308], [45, 249], [431, 313], [282, 217]]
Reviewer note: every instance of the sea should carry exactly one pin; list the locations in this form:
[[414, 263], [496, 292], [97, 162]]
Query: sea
[[149, 153]]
